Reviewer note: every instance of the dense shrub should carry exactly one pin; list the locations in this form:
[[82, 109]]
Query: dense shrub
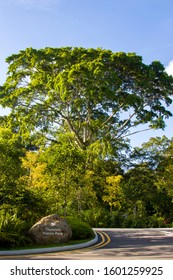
[[12, 231], [156, 222], [80, 229], [97, 217]]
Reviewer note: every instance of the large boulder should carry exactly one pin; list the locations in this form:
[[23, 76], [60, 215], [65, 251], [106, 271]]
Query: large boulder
[[51, 229]]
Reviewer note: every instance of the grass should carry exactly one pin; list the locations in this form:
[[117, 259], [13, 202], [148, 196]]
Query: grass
[[27, 247]]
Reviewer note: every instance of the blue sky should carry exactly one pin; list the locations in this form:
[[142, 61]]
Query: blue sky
[[140, 26]]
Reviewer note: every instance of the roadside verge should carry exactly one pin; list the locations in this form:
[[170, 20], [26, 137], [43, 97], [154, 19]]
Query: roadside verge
[[51, 249]]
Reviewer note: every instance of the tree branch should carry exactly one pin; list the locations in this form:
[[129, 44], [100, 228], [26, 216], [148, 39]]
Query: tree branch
[[78, 140], [127, 121], [111, 116], [138, 131]]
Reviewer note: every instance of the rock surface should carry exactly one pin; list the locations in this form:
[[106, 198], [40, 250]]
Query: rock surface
[[51, 229]]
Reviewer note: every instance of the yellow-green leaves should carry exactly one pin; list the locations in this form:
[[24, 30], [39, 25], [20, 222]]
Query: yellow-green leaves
[[113, 192], [35, 175]]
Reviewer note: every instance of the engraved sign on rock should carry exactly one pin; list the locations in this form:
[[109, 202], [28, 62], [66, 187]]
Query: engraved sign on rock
[[51, 229]]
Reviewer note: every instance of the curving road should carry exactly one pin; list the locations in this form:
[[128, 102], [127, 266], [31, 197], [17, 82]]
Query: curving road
[[118, 244]]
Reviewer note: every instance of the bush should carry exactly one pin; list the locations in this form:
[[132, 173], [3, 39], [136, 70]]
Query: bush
[[156, 222], [12, 230], [97, 217], [80, 230]]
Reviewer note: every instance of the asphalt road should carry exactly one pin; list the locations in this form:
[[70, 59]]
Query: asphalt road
[[118, 244]]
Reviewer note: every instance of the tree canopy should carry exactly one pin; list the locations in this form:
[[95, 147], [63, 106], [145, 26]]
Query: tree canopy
[[64, 146], [92, 94]]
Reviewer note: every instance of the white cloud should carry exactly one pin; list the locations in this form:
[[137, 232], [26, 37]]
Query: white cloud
[[35, 4], [169, 68]]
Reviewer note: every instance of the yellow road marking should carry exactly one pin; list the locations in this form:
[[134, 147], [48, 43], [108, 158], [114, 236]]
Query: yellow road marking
[[108, 239], [91, 247], [99, 244], [103, 242]]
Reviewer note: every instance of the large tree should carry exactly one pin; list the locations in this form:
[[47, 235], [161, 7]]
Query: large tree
[[94, 95]]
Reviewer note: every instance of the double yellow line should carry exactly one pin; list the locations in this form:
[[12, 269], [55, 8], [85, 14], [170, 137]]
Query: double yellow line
[[105, 239]]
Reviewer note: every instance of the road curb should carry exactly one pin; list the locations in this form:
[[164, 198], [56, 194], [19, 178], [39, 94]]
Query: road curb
[[50, 250]]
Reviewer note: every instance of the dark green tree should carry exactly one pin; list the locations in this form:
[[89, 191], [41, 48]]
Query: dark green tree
[[151, 152], [165, 170], [147, 183]]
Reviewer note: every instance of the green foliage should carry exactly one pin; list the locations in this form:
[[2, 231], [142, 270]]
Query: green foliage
[[113, 192], [80, 229], [12, 230], [64, 147], [165, 170], [151, 152], [156, 222], [10, 152], [93, 95], [135, 222], [96, 217]]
